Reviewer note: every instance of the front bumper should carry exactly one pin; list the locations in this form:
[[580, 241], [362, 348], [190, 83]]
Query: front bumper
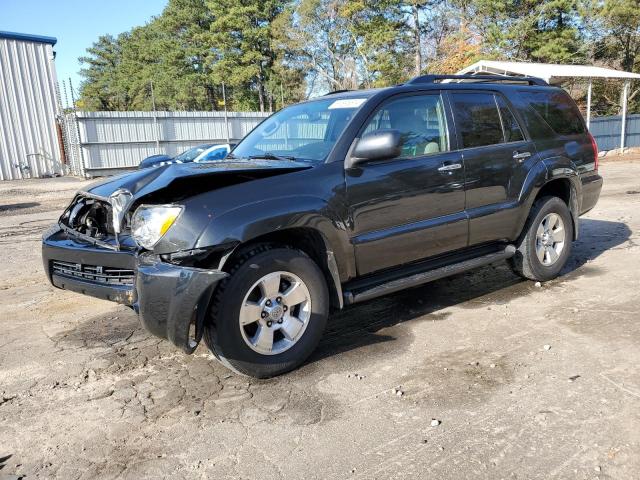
[[171, 300]]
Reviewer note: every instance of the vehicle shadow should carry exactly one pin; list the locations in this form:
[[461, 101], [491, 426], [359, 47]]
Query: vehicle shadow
[[3, 460], [359, 325]]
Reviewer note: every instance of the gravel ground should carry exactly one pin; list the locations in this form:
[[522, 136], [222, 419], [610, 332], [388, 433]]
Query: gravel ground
[[498, 378]]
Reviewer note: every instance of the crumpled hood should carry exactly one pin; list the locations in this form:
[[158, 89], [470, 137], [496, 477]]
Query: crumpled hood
[[142, 182]]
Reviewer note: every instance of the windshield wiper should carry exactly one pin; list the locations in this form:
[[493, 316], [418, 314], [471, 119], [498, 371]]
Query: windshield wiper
[[270, 156]]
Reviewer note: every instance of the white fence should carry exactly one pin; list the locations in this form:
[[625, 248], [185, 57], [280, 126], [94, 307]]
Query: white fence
[[28, 106], [104, 143]]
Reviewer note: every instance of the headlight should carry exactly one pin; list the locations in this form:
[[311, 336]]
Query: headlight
[[151, 222]]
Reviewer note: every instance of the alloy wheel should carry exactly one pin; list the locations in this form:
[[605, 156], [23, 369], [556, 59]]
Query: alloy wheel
[[550, 239]]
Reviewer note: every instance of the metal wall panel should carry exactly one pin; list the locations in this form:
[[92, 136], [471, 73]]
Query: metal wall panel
[[606, 131], [113, 141], [28, 107], [119, 140]]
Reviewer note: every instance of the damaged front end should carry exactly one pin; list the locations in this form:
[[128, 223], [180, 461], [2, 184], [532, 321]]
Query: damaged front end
[[110, 242], [91, 251]]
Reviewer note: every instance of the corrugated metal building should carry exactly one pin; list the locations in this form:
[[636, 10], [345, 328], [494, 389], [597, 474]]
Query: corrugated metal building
[[29, 145]]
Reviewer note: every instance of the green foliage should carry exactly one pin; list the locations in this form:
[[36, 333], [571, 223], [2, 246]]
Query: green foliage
[[531, 30], [270, 53], [379, 40], [99, 90], [243, 53]]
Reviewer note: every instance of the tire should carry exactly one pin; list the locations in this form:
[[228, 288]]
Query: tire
[[295, 331], [534, 258]]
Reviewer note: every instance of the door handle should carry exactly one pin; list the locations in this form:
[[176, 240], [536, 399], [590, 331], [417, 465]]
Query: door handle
[[521, 155], [449, 167]]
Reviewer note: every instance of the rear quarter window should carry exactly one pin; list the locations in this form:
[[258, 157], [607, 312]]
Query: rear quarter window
[[556, 109]]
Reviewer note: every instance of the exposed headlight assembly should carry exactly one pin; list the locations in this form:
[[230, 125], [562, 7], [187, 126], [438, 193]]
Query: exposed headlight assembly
[[151, 222], [120, 201]]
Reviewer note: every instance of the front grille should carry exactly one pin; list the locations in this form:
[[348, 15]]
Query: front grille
[[93, 273]]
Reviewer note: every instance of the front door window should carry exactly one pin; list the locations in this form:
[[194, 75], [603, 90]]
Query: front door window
[[420, 121]]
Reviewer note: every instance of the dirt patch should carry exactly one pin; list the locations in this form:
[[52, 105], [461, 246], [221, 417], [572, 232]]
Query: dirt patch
[[102, 330], [459, 378], [28, 228], [86, 393]]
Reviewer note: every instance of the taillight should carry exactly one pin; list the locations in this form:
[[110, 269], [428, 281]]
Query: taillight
[[594, 146]]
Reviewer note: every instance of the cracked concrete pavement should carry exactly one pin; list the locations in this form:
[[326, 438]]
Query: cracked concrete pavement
[[85, 392]]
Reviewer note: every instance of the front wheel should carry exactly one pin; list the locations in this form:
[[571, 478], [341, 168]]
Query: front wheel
[[269, 314], [545, 245]]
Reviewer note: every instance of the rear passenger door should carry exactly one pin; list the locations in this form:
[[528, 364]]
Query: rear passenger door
[[497, 157]]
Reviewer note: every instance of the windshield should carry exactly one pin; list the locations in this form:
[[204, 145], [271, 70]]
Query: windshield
[[214, 154], [307, 131], [192, 153]]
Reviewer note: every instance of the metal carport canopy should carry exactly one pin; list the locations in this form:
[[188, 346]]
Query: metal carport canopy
[[556, 73]]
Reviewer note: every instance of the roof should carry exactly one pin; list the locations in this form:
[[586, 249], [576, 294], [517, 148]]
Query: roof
[[363, 93], [546, 71], [25, 37]]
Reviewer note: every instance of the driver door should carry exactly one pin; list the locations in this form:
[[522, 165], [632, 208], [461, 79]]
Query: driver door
[[410, 207]]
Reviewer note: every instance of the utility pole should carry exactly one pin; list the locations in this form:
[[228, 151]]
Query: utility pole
[[226, 115], [155, 117], [281, 96], [417, 38], [153, 98]]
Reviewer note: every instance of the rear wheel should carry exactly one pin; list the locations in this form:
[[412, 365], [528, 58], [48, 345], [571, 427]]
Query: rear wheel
[[269, 314], [545, 246]]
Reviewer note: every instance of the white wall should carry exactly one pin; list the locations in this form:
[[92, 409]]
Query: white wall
[[28, 109], [112, 141]]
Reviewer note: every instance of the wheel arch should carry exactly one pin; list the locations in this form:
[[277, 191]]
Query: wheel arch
[[558, 178], [564, 189], [310, 241]]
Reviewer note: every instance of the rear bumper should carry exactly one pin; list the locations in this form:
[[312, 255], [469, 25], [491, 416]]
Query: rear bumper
[[171, 300], [591, 187]]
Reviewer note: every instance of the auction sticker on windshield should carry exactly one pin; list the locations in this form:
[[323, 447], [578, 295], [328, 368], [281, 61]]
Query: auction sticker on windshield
[[347, 103]]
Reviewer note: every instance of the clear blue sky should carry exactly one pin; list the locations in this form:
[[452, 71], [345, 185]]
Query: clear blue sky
[[75, 23]]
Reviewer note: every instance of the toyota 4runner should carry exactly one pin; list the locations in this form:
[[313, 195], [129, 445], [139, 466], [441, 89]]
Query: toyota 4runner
[[332, 202]]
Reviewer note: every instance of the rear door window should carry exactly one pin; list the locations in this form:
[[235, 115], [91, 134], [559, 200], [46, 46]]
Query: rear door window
[[557, 109], [477, 119]]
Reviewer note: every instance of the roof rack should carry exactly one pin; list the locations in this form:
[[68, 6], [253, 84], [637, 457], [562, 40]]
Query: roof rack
[[478, 79], [337, 91]]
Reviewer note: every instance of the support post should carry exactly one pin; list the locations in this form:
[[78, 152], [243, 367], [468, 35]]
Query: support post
[[83, 162], [589, 103], [623, 130]]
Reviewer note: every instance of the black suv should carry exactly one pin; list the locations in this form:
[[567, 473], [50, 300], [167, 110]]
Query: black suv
[[331, 202]]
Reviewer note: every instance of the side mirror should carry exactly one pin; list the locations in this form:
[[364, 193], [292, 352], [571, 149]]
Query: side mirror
[[378, 145]]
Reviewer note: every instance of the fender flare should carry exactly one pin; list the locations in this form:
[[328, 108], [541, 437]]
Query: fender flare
[[250, 222], [546, 171]]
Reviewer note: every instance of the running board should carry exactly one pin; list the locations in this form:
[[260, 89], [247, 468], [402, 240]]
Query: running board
[[364, 294]]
